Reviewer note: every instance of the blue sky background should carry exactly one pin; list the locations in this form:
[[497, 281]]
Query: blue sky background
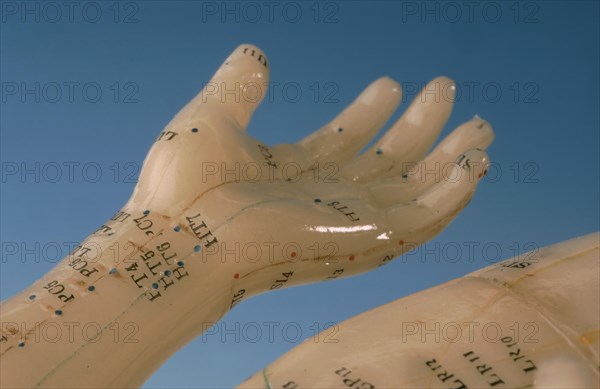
[[532, 70]]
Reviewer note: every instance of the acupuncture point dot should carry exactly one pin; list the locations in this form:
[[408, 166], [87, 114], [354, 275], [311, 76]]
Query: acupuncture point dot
[[112, 271], [194, 130], [168, 273], [197, 248], [58, 312], [32, 297], [379, 152], [91, 288], [155, 286], [177, 228], [146, 212], [340, 129], [317, 200], [180, 263], [21, 344]]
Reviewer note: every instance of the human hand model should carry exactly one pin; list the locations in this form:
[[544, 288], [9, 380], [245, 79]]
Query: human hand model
[[218, 216], [527, 322]]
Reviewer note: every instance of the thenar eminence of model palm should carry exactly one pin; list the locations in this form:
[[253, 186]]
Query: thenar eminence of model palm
[[218, 216]]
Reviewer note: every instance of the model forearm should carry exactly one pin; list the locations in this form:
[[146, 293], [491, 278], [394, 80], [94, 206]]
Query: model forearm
[[112, 311]]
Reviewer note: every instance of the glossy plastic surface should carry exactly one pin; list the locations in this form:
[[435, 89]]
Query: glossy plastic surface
[[218, 216]]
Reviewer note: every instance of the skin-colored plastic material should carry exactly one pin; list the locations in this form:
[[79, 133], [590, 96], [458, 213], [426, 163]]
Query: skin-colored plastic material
[[218, 216], [529, 321]]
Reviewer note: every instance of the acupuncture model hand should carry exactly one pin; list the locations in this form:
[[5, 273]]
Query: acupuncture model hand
[[527, 322], [218, 216]]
